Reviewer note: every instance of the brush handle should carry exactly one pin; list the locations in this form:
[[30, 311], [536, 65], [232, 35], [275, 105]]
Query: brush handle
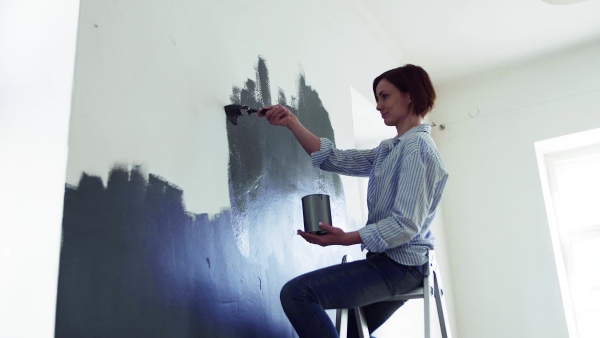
[[252, 110]]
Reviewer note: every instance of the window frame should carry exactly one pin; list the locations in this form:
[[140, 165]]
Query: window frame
[[550, 155]]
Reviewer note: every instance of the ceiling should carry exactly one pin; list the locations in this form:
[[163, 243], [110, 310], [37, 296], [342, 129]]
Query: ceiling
[[453, 39]]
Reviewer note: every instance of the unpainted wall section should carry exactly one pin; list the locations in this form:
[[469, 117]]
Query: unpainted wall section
[[504, 277]]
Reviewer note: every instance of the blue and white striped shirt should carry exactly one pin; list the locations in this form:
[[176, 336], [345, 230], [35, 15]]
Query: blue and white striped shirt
[[406, 181]]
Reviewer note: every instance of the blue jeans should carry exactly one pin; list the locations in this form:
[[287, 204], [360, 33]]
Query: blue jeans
[[362, 283]]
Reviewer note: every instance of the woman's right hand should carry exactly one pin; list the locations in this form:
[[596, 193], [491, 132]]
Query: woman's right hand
[[278, 115]]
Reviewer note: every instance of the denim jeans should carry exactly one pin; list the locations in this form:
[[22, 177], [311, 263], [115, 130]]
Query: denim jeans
[[361, 283]]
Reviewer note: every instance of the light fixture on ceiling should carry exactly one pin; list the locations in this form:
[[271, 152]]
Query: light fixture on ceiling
[[562, 2]]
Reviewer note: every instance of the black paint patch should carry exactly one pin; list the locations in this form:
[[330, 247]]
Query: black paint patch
[[268, 160], [135, 263], [129, 266], [269, 172]]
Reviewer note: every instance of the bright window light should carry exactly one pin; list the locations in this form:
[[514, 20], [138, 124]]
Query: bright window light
[[570, 174], [577, 183]]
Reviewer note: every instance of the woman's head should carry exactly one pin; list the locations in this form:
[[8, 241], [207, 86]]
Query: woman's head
[[414, 81]]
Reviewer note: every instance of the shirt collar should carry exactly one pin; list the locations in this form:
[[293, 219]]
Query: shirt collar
[[422, 128]]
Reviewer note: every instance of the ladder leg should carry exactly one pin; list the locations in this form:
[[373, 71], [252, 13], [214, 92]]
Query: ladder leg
[[441, 307], [427, 294], [361, 323], [341, 322]]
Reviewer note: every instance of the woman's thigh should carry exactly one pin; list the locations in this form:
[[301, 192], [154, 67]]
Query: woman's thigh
[[356, 283]]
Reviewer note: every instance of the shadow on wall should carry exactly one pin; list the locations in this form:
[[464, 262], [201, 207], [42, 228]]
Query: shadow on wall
[[135, 263]]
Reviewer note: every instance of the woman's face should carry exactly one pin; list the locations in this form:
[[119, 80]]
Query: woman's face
[[393, 104]]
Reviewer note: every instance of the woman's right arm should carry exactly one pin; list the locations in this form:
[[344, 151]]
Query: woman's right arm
[[278, 115], [323, 153]]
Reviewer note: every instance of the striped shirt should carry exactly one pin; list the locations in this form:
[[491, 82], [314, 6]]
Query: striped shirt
[[406, 181]]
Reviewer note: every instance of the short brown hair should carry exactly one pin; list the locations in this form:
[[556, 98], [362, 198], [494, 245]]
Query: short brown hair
[[413, 80]]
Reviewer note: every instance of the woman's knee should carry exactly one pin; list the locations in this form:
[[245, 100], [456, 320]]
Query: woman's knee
[[289, 292], [295, 291]]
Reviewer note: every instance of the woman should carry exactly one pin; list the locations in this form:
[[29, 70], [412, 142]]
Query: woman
[[406, 180]]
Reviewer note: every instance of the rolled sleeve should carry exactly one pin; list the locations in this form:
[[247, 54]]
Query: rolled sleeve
[[351, 162], [318, 157], [371, 239]]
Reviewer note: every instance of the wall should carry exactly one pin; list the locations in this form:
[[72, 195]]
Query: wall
[[176, 222], [186, 59], [504, 276], [37, 48]]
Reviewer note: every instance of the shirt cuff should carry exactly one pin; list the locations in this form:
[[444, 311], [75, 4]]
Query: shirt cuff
[[371, 239], [318, 157]]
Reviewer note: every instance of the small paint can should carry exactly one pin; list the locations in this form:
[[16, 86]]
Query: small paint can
[[315, 209]]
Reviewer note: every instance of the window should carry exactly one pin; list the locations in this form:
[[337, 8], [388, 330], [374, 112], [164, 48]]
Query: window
[[570, 173]]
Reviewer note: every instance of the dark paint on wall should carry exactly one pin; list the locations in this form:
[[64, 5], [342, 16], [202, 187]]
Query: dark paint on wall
[[135, 263], [267, 161]]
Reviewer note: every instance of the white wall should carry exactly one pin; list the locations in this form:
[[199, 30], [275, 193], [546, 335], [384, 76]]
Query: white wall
[[160, 73], [37, 49], [503, 272]]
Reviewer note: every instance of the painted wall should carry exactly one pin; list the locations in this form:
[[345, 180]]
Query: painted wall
[[37, 51], [504, 277], [176, 222]]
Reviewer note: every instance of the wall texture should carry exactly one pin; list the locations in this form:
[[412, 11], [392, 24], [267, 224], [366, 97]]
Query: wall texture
[[503, 270], [176, 222]]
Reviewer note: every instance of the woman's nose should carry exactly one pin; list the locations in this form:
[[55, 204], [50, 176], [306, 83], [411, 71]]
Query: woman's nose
[[378, 106]]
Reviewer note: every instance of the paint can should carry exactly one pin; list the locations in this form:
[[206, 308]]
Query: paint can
[[315, 209]]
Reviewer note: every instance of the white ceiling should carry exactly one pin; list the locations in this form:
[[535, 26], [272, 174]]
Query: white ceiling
[[452, 39], [458, 37]]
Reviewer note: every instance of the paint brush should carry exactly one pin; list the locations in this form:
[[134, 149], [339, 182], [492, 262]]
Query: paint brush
[[233, 111]]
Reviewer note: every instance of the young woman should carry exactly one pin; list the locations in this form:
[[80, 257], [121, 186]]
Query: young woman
[[406, 181]]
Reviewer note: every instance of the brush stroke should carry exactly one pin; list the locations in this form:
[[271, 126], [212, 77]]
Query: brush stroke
[[268, 161]]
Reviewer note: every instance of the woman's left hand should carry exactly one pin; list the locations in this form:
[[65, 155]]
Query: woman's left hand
[[334, 236]]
